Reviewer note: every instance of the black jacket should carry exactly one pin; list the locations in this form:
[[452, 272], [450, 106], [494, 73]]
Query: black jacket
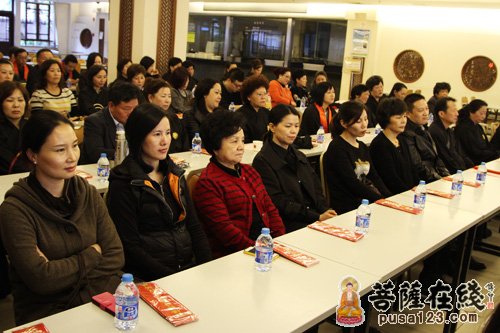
[[192, 121], [91, 101], [474, 141], [10, 145], [180, 140], [372, 106], [310, 123], [228, 97], [448, 148], [255, 126], [393, 164], [295, 192], [99, 136], [423, 152], [495, 140], [346, 188], [155, 243]]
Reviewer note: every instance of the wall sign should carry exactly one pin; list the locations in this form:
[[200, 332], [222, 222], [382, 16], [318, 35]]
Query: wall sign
[[479, 73], [409, 66]]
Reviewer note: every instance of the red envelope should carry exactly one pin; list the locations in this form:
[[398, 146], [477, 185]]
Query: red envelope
[[336, 231], [294, 255], [395, 205]]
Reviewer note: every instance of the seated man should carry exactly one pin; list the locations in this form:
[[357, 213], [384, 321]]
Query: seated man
[[441, 90], [70, 73], [21, 68], [449, 150], [423, 152], [99, 133], [34, 73], [231, 86]]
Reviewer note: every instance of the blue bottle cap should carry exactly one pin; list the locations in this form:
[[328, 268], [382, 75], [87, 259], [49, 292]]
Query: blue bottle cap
[[365, 202], [265, 231], [127, 277], [459, 171], [483, 163], [422, 182], [104, 155]]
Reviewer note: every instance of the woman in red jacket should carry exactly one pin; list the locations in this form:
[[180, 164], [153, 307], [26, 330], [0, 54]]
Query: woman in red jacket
[[278, 89], [230, 197]]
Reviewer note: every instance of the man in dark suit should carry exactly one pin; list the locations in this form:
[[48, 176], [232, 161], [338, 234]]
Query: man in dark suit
[[34, 74], [99, 133]]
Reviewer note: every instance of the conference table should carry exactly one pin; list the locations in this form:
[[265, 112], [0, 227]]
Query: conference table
[[229, 295]]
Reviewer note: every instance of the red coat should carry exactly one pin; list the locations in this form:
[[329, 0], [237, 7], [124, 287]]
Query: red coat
[[224, 205], [279, 94]]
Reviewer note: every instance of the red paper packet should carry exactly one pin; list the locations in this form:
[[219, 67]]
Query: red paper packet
[[336, 231], [466, 182], [165, 304], [83, 174], [438, 193], [294, 255], [395, 205], [38, 328]]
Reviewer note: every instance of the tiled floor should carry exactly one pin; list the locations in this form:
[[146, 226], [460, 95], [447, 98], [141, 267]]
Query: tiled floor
[[490, 274]]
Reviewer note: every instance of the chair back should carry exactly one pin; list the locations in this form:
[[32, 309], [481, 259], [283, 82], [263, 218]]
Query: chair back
[[324, 186]]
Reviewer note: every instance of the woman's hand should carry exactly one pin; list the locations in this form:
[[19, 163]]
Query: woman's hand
[[97, 248], [329, 213], [40, 253]]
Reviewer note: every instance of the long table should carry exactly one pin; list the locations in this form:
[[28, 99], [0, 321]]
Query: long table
[[229, 295]]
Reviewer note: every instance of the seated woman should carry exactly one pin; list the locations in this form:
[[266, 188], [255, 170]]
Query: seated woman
[[299, 88], [150, 204], [93, 95], [13, 103], [62, 245], [319, 76], [6, 70], [93, 58], [390, 155], [471, 135], [253, 95], [278, 89], [399, 90], [149, 64], [182, 99], [207, 97], [349, 171], [136, 74], [52, 94], [290, 180], [121, 71], [256, 68], [320, 112], [158, 93], [230, 197]]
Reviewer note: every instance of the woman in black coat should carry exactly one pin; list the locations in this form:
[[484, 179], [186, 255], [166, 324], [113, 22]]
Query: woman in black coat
[[93, 94], [471, 135], [287, 175], [150, 205], [349, 170], [389, 154], [253, 95], [321, 111]]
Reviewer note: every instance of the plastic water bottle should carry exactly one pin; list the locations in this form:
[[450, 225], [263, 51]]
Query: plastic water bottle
[[431, 119], [264, 251], [232, 108], [378, 129], [320, 135], [121, 147], [481, 174], [303, 103], [103, 168], [196, 144], [363, 214], [457, 184], [126, 304], [420, 196]]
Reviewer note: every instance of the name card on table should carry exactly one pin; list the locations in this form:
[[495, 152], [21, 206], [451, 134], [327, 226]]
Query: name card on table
[[294, 255], [395, 205], [437, 193], [165, 304], [336, 231], [38, 328], [466, 182]]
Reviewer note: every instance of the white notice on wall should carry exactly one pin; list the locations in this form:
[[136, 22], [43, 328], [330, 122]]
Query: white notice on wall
[[360, 40]]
